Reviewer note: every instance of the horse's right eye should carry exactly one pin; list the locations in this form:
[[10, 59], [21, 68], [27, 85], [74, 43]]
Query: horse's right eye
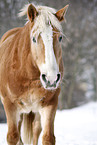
[[34, 40], [60, 38]]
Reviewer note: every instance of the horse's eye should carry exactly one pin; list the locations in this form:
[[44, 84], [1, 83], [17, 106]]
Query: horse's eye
[[34, 40], [60, 38]]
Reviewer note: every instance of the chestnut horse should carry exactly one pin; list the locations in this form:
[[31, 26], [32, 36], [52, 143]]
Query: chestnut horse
[[31, 71]]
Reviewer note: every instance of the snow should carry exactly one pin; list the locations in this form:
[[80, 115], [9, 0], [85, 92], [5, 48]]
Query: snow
[[77, 126]]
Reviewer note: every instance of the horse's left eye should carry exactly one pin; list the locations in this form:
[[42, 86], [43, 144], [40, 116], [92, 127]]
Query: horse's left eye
[[60, 38], [34, 40]]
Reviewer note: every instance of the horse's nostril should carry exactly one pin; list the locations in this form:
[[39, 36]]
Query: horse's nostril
[[44, 77], [58, 77]]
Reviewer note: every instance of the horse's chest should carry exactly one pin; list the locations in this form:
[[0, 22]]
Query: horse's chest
[[30, 103], [34, 100]]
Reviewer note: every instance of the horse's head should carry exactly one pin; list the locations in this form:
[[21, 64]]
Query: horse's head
[[46, 39]]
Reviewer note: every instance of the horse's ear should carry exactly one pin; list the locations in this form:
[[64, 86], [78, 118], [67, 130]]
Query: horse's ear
[[32, 12], [61, 13]]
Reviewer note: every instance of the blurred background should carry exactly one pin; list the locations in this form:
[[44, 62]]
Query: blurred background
[[79, 84]]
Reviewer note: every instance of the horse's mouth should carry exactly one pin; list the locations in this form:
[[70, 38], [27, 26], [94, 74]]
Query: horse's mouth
[[49, 86]]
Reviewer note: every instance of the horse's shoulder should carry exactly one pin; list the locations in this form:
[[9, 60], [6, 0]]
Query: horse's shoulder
[[9, 33]]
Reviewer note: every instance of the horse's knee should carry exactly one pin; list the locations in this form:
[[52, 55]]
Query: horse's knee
[[12, 138], [48, 140]]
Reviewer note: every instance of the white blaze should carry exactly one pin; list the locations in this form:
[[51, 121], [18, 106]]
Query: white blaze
[[50, 67]]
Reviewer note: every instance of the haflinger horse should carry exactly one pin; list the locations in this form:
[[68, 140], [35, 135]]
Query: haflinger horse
[[31, 71]]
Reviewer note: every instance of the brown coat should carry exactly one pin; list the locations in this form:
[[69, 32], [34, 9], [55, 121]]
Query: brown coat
[[21, 88]]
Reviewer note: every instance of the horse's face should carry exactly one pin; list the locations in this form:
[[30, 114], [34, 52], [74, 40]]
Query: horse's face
[[46, 51], [46, 48]]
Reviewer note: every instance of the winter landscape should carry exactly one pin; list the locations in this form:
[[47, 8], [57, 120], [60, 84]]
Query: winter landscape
[[77, 126]]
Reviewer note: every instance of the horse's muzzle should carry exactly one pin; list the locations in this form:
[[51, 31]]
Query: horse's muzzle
[[49, 84]]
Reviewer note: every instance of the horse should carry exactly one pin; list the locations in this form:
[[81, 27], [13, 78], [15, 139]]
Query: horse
[[31, 72]]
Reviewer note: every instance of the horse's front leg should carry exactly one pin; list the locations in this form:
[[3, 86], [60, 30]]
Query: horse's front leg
[[47, 120], [12, 122]]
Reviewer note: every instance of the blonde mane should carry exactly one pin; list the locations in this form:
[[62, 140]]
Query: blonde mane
[[46, 17]]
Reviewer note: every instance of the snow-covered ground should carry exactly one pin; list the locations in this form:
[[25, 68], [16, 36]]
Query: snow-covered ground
[[77, 126]]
